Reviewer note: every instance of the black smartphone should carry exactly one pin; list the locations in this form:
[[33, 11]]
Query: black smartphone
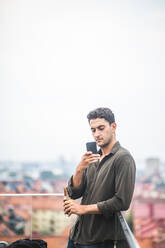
[[91, 146]]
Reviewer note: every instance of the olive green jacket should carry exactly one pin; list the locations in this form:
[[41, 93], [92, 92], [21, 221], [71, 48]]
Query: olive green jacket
[[110, 185]]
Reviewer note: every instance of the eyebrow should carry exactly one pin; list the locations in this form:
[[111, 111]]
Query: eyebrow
[[97, 127]]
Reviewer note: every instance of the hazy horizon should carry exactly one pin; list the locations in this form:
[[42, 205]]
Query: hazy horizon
[[61, 59]]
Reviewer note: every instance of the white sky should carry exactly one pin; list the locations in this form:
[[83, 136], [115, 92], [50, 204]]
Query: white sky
[[61, 59]]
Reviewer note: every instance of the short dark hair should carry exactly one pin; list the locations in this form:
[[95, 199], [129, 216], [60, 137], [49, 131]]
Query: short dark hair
[[105, 113]]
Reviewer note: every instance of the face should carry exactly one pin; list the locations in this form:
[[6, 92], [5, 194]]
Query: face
[[102, 131]]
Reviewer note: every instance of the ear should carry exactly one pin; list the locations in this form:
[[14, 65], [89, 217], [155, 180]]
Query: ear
[[113, 126]]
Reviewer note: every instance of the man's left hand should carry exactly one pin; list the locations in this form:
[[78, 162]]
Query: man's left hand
[[72, 207]]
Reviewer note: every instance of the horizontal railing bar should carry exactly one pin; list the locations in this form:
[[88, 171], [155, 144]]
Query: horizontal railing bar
[[33, 194]]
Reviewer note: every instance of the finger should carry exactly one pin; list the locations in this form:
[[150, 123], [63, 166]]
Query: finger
[[67, 202], [91, 160], [70, 204], [97, 156], [66, 207], [69, 213], [66, 210], [88, 153]]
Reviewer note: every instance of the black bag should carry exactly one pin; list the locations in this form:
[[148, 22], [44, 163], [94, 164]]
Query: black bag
[[28, 243]]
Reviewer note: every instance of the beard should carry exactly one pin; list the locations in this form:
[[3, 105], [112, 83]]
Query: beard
[[106, 143]]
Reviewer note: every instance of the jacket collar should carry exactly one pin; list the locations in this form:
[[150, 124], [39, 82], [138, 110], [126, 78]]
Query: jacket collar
[[114, 149]]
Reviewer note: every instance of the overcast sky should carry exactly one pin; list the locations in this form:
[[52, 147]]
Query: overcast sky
[[59, 59]]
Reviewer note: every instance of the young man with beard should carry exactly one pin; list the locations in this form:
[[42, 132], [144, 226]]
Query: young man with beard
[[105, 181]]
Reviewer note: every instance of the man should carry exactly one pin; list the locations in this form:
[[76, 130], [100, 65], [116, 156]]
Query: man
[[105, 181]]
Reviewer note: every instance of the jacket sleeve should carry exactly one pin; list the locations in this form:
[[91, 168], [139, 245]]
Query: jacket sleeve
[[77, 192], [124, 186]]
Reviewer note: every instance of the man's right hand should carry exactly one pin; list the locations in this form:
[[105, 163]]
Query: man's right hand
[[87, 159]]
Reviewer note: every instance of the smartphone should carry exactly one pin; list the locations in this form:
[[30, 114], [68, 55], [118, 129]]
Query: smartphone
[[91, 146]]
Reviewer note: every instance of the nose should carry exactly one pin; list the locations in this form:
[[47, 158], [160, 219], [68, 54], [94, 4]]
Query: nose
[[96, 134]]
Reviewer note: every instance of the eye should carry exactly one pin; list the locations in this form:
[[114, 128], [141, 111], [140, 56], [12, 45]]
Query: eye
[[101, 128]]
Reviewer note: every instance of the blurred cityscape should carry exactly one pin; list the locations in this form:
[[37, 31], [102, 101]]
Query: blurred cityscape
[[148, 204], [38, 216], [43, 217]]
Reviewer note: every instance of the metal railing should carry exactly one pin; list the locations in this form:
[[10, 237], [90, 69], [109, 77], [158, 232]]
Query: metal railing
[[32, 194], [132, 242]]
